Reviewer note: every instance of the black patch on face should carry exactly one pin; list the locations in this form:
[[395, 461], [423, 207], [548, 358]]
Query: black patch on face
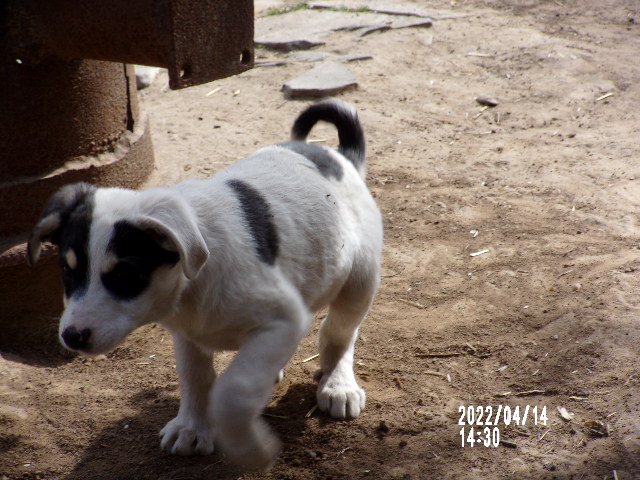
[[74, 235], [258, 218], [139, 254], [322, 159]]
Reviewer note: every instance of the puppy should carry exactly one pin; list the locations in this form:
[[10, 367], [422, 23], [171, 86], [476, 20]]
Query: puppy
[[236, 262]]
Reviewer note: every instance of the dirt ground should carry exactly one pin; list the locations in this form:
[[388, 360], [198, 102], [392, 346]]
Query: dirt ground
[[545, 184]]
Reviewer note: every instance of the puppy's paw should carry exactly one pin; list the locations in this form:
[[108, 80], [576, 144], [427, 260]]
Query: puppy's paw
[[185, 436], [340, 395], [253, 448]]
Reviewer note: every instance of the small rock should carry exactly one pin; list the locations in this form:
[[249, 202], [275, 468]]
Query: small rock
[[327, 79], [596, 428], [564, 414], [487, 101], [11, 413]]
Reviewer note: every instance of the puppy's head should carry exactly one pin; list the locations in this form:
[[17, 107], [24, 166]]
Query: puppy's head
[[125, 257]]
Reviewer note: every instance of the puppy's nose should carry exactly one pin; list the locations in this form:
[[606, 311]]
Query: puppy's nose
[[76, 340]]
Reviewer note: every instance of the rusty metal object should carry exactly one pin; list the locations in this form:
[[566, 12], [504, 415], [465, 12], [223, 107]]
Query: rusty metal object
[[69, 114], [197, 41], [62, 122]]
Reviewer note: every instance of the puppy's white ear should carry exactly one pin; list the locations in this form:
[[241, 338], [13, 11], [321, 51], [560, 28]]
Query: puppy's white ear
[[56, 214], [172, 223]]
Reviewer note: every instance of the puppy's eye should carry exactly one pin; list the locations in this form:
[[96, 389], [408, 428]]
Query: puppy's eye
[[66, 270], [70, 278], [127, 279]]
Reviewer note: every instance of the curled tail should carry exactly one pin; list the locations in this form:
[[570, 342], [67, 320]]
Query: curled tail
[[345, 119]]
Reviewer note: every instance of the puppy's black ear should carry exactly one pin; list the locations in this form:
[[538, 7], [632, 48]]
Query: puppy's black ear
[[172, 223], [55, 216]]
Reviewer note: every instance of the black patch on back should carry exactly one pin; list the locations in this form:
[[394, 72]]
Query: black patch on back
[[326, 164], [73, 234], [139, 255], [258, 218]]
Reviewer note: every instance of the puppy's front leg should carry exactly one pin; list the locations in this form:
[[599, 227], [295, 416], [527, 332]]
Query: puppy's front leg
[[243, 390], [191, 432]]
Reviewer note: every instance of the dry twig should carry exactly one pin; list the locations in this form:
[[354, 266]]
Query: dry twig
[[310, 412], [530, 392], [412, 303], [438, 355], [312, 357]]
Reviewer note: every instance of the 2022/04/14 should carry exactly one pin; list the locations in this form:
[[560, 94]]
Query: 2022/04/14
[[480, 424]]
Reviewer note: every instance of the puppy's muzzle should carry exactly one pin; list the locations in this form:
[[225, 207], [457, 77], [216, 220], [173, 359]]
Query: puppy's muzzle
[[76, 340]]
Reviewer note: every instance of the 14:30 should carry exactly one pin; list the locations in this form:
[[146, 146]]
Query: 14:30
[[487, 437]]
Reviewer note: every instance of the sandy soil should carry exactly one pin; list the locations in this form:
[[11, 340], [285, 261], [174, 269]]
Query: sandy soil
[[546, 183]]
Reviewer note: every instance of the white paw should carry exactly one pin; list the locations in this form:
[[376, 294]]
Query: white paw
[[186, 436], [340, 395], [251, 446]]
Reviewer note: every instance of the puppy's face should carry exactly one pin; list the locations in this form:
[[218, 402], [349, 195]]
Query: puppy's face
[[119, 272], [122, 281]]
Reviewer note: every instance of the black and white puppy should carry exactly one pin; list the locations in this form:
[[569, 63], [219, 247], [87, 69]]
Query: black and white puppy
[[236, 262]]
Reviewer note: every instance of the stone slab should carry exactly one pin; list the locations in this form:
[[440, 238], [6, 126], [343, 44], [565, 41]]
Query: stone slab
[[327, 79]]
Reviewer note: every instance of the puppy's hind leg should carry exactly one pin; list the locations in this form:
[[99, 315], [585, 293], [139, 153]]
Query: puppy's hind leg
[[338, 391]]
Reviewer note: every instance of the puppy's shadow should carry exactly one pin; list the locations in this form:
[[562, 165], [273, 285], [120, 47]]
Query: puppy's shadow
[[130, 448], [47, 352]]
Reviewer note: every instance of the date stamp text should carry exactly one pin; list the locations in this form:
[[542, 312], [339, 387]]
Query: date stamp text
[[481, 423]]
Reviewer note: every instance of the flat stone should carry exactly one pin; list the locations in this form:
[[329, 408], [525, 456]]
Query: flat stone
[[306, 28], [315, 56], [309, 56], [287, 45], [377, 28], [327, 79], [353, 57], [386, 7], [299, 30], [398, 23], [375, 6], [411, 23], [273, 63]]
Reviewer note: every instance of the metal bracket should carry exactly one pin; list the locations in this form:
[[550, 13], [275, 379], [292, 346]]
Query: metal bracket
[[197, 41]]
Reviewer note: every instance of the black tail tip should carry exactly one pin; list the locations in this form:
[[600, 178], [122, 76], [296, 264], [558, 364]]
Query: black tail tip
[[344, 117]]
